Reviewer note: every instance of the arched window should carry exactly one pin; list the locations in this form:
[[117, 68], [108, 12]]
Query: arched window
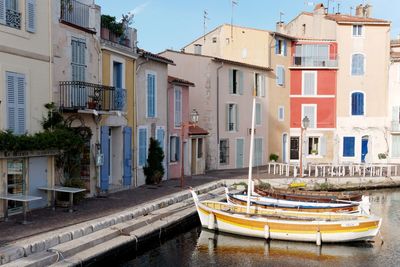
[[357, 64], [357, 103]]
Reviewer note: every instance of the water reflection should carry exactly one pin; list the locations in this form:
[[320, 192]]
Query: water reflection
[[204, 248]]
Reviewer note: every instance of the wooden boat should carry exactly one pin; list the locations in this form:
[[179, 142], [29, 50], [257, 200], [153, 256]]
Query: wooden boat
[[310, 196], [273, 203], [286, 225]]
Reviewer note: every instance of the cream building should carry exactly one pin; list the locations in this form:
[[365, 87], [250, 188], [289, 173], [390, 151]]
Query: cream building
[[394, 102], [25, 78], [267, 49], [362, 78]]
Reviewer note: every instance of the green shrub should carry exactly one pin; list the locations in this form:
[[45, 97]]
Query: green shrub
[[154, 169], [273, 157]]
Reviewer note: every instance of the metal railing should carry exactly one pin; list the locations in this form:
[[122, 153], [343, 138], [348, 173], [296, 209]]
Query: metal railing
[[76, 95], [13, 18], [311, 61], [76, 13]]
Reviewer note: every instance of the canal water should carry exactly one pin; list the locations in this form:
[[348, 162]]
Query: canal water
[[197, 247]]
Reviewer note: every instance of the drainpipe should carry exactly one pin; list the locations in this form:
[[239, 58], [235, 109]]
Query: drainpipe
[[269, 52], [50, 52], [217, 110]]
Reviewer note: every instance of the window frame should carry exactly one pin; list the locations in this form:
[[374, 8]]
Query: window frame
[[226, 147], [279, 113], [358, 27], [364, 63], [235, 114], [310, 149], [176, 159], [315, 115], [283, 75], [315, 89], [354, 146]]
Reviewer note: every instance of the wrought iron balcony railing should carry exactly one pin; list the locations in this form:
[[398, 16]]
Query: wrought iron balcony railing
[[75, 12], [82, 95], [13, 18], [312, 61]]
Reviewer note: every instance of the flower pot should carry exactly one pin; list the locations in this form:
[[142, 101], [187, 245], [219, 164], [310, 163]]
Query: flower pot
[[92, 105]]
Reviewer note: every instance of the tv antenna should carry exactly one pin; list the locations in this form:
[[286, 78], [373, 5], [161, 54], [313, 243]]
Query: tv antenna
[[280, 16], [233, 3], [205, 18]]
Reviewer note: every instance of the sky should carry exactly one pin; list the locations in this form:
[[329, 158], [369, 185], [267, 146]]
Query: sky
[[171, 24]]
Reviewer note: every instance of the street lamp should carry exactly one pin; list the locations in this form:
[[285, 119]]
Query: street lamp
[[304, 125], [194, 119]]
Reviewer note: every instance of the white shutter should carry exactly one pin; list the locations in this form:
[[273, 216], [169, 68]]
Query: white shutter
[[236, 117], [309, 112], [21, 119], [309, 83], [3, 11], [263, 85], [11, 101], [322, 142], [31, 15], [240, 81], [16, 114]]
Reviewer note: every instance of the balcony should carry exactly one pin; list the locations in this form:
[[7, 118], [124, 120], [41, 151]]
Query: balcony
[[13, 19], [314, 62], [75, 13], [76, 96]]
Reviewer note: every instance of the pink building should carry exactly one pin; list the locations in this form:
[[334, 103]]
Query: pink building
[[192, 144]]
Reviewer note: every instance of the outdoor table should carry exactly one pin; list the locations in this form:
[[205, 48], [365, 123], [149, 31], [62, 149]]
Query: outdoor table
[[70, 190], [20, 198]]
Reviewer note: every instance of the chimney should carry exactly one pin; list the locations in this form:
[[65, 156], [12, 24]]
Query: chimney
[[319, 9], [197, 49], [280, 26], [359, 11], [367, 11]]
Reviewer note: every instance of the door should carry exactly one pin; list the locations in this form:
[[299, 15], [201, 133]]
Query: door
[[105, 152], [364, 148], [294, 148], [284, 147], [127, 176], [194, 156], [15, 182], [239, 153], [186, 159], [37, 177]]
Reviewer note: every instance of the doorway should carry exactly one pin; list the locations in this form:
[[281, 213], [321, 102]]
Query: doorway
[[284, 148], [239, 153], [364, 147], [294, 148], [16, 183]]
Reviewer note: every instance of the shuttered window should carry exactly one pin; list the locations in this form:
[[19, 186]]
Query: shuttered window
[[395, 146], [281, 113], [357, 65], [357, 30], [31, 16], [310, 112], [151, 95], [280, 75], [258, 114], [142, 147], [160, 137], [232, 120], [258, 152], [16, 102], [78, 63], [259, 84], [224, 151], [357, 104], [235, 82], [3, 11], [348, 146], [177, 106], [174, 149], [309, 83]]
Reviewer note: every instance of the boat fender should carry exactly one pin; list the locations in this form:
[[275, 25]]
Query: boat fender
[[319, 239], [211, 221], [266, 232]]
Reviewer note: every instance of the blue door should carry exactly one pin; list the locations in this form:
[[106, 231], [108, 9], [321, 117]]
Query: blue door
[[37, 177], [127, 177], [364, 148], [105, 151]]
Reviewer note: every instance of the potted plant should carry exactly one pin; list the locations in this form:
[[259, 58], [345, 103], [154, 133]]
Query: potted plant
[[273, 157], [110, 28], [314, 152]]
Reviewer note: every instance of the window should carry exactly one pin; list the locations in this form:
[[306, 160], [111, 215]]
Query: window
[[151, 95], [258, 114], [357, 65], [280, 47], [214, 40], [174, 148], [281, 113], [78, 62], [313, 145], [9, 13], [259, 84], [142, 147], [177, 106], [357, 30], [311, 112], [199, 148], [309, 84], [348, 146], [31, 16], [357, 104], [224, 151], [294, 147], [160, 136], [232, 117], [16, 102], [313, 55], [280, 75], [235, 82], [396, 146]]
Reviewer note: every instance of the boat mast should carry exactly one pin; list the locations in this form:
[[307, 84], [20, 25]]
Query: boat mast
[[250, 183]]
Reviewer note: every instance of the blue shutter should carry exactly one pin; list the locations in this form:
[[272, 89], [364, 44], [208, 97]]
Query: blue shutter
[[105, 151], [348, 146], [178, 149], [16, 102], [3, 11], [150, 95], [11, 102], [276, 46], [357, 104], [21, 99], [142, 146], [160, 137], [31, 16], [284, 47], [283, 76], [127, 177]]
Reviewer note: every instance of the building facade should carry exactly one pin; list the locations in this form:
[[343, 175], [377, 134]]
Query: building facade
[[394, 102]]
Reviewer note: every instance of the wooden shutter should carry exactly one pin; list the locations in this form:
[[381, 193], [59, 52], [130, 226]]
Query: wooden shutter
[[230, 81], [237, 117], [11, 101], [309, 83], [395, 114], [348, 146], [178, 148], [16, 102], [31, 15], [276, 46], [322, 149], [283, 76], [21, 103], [263, 85], [258, 113], [142, 146], [227, 117], [150, 95], [284, 47], [127, 152], [240, 81], [3, 11]]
